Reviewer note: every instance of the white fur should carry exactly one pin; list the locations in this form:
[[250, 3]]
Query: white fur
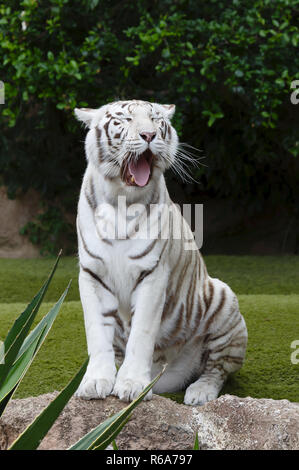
[[114, 264]]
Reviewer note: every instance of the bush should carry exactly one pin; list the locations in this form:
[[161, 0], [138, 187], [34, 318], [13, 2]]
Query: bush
[[51, 231], [227, 65]]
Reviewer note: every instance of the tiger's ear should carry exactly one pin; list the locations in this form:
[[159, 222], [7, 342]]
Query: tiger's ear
[[85, 115], [170, 110]]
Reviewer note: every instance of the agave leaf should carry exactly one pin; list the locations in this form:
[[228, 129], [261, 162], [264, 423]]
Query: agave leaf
[[47, 321], [36, 431], [27, 353], [5, 400], [114, 445], [18, 369], [100, 437], [22, 319], [88, 441], [21, 326], [196, 443], [104, 442]]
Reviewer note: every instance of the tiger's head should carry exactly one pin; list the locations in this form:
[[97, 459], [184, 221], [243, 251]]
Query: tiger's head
[[130, 141]]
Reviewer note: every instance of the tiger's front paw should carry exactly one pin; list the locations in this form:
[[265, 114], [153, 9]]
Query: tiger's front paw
[[199, 394], [128, 389], [98, 388]]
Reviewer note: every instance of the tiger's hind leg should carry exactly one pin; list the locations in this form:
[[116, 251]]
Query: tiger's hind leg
[[224, 349]]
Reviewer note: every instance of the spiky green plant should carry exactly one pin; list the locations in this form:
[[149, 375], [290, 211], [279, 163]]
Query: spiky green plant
[[20, 347]]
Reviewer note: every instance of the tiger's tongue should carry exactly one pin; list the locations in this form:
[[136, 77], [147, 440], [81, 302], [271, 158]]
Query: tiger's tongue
[[140, 170]]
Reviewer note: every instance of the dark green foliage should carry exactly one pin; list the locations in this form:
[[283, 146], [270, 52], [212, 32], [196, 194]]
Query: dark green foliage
[[228, 66], [51, 232]]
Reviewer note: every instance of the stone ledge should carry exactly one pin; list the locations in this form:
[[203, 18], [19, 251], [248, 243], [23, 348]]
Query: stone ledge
[[229, 423]]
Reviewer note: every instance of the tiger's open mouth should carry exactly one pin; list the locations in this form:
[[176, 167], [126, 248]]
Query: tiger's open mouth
[[138, 172]]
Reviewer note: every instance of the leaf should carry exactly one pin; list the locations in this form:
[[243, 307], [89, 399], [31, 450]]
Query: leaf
[[114, 445], [280, 82], [165, 53], [36, 431], [47, 321], [5, 400], [239, 73], [18, 370], [213, 118], [265, 114], [21, 326], [295, 39], [32, 345], [100, 437], [196, 443]]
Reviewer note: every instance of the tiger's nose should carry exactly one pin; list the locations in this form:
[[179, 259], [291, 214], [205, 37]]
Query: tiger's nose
[[148, 136]]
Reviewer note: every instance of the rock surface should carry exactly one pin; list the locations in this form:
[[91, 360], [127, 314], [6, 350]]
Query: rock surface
[[226, 423], [14, 214]]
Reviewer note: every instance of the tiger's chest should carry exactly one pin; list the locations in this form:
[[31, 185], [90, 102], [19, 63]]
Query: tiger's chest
[[121, 269], [122, 265]]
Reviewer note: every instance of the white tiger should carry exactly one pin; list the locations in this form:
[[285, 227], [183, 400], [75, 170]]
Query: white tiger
[[151, 299]]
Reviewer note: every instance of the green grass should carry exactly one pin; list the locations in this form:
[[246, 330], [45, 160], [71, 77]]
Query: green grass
[[273, 323], [21, 278], [268, 292], [257, 274], [62, 353]]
